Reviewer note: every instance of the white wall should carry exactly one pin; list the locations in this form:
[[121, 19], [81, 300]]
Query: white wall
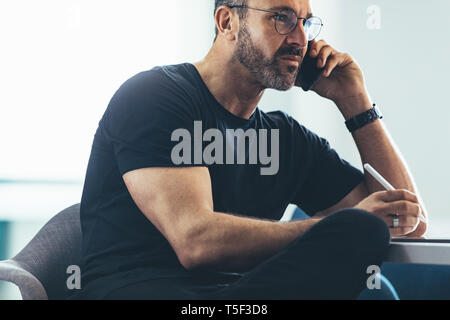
[[62, 61]]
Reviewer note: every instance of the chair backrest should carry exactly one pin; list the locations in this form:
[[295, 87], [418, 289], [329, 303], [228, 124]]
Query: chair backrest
[[54, 248]]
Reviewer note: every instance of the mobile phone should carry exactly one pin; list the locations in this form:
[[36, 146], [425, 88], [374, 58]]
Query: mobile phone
[[308, 73]]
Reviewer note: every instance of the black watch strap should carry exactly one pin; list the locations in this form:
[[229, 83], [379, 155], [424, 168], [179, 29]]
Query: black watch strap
[[364, 119]]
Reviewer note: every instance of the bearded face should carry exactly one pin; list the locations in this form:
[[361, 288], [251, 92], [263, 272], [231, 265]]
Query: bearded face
[[271, 72]]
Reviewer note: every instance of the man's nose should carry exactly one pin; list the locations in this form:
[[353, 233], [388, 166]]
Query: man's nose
[[298, 36]]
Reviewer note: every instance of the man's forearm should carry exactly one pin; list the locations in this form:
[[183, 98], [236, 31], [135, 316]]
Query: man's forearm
[[230, 243], [377, 148]]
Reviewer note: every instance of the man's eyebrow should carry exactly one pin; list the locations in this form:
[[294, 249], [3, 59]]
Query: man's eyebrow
[[279, 8]]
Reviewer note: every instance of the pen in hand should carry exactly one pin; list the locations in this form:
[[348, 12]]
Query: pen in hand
[[385, 183]]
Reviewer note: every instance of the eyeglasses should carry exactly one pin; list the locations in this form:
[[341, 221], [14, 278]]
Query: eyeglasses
[[286, 21]]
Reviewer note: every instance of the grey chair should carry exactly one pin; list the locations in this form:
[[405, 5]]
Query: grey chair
[[40, 269]]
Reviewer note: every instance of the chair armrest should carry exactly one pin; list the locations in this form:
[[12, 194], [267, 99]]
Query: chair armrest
[[30, 287]]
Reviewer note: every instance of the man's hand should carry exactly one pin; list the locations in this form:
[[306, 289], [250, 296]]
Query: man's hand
[[342, 77], [401, 202]]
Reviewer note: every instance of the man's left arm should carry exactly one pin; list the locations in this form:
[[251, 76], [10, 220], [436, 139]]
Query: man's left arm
[[343, 83]]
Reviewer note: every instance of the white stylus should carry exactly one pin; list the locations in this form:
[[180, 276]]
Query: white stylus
[[385, 183]]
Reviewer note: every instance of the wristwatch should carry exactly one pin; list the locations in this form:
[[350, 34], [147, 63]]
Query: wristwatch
[[364, 119]]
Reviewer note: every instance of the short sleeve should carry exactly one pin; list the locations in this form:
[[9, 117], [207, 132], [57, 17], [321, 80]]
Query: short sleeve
[[327, 179], [141, 118]]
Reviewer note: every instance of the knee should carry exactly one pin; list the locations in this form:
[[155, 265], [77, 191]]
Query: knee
[[362, 228]]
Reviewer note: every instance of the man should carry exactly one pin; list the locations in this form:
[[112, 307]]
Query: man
[[159, 228]]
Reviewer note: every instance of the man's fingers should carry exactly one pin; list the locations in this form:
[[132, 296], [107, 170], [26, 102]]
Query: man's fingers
[[397, 195], [324, 54], [316, 46], [333, 61], [402, 207], [402, 203], [403, 221], [407, 213]]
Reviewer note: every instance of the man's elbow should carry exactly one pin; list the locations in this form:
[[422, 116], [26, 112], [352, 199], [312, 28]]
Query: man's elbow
[[191, 258], [191, 250]]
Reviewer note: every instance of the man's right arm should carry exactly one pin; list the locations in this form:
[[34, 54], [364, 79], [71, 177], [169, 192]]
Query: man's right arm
[[178, 201]]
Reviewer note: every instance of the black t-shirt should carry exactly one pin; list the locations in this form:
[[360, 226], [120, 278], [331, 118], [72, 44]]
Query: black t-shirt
[[119, 242]]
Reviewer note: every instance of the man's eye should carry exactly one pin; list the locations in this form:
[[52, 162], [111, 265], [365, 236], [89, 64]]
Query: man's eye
[[281, 17]]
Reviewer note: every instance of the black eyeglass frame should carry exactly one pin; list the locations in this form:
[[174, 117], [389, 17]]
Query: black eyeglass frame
[[277, 13]]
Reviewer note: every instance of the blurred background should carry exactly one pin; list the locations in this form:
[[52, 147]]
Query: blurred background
[[62, 60]]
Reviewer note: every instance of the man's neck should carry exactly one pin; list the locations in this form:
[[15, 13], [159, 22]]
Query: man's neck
[[231, 84]]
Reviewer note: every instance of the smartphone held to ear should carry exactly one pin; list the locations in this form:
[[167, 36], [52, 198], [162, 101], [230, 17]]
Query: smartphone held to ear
[[308, 73]]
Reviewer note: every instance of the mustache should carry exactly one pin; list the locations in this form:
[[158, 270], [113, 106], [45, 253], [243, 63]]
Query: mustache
[[290, 51]]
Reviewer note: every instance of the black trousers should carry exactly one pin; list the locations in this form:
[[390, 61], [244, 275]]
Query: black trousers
[[329, 261]]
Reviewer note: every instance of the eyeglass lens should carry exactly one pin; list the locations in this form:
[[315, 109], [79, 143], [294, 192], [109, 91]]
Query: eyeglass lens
[[287, 21]]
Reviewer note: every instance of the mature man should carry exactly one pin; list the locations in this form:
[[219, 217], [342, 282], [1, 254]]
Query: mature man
[[159, 228]]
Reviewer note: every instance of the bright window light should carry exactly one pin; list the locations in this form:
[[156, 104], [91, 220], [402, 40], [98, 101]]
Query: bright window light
[[61, 62]]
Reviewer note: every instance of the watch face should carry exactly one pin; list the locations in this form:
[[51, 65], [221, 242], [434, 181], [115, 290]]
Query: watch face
[[378, 112]]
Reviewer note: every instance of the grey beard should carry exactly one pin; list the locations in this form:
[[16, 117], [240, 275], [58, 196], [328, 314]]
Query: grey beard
[[267, 71]]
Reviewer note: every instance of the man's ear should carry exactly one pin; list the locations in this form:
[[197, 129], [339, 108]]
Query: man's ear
[[227, 22]]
